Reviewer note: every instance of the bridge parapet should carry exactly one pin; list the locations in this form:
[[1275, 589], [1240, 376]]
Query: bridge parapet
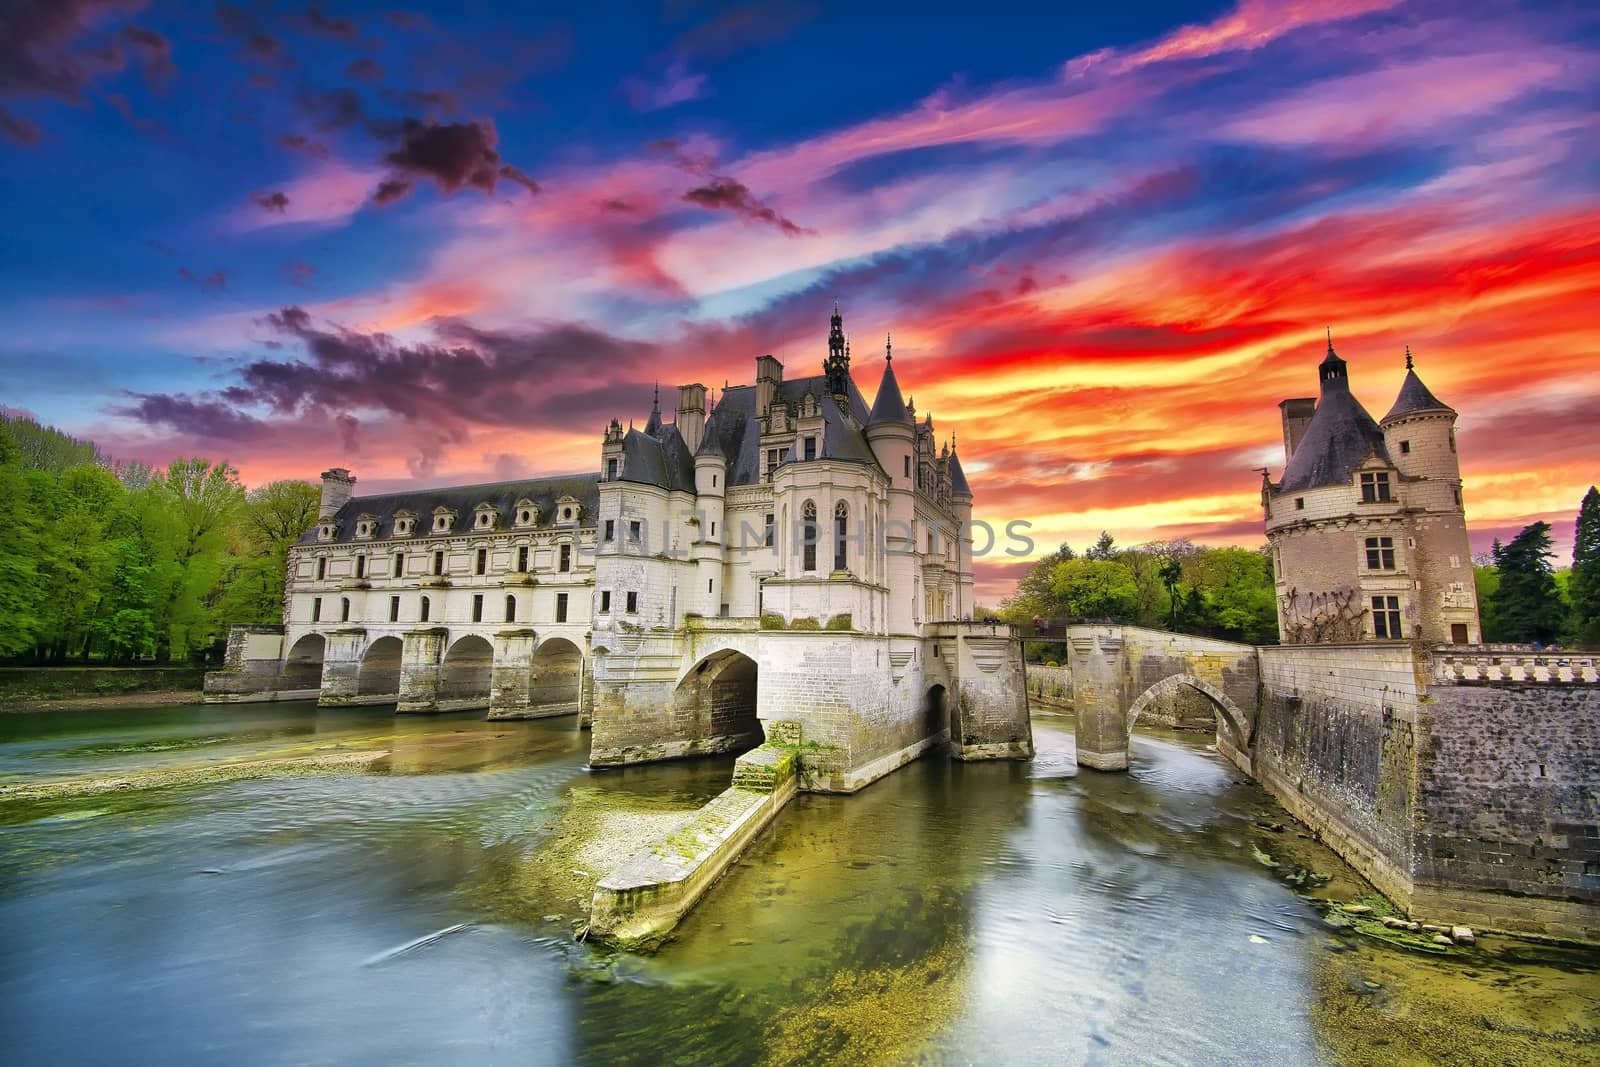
[[1453, 666]]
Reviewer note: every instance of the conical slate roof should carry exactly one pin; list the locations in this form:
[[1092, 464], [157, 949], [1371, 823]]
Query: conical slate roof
[[1414, 396], [888, 406], [958, 479], [1338, 438]]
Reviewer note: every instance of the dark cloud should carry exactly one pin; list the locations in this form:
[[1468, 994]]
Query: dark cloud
[[276, 201], [299, 272], [427, 101], [296, 142], [738, 29], [216, 281], [428, 395], [366, 69], [57, 49], [455, 155], [320, 22], [390, 190], [197, 417], [723, 193], [258, 44], [332, 109]]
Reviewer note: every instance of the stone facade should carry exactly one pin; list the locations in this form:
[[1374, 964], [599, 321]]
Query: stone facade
[[1367, 525], [784, 554]]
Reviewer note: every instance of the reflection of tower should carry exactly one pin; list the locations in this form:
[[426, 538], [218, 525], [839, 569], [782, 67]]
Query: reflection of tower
[[837, 366]]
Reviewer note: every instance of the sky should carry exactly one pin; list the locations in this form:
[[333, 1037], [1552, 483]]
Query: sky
[[448, 243]]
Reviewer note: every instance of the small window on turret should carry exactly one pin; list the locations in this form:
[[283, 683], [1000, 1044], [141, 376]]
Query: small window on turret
[[1299, 503], [611, 470], [1405, 446]]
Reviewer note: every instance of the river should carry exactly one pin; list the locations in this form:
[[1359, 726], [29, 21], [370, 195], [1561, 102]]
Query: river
[[425, 911]]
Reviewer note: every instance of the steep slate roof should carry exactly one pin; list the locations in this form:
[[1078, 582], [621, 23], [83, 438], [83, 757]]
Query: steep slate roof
[[657, 456], [958, 478], [737, 434], [1414, 396], [1338, 438], [888, 405], [463, 499]]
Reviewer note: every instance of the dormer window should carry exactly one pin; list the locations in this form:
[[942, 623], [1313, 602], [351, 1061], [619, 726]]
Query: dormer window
[[405, 524], [527, 512], [1375, 487], [443, 520], [485, 516], [366, 526], [567, 510], [325, 532]]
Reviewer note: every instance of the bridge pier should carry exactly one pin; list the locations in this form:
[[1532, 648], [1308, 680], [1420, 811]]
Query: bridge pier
[[1101, 705]]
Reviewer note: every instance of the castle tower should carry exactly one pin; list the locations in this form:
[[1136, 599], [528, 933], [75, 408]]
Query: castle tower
[[961, 504], [692, 414], [892, 434], [1419, 431], [711, 485], [1366, 526]]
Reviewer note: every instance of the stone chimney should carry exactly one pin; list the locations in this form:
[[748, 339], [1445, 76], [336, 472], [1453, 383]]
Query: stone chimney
[[692, 414], [769, 372], [1296, 417], [337, 485]]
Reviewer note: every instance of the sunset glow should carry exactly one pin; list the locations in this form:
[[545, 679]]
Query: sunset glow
[[444, 248]]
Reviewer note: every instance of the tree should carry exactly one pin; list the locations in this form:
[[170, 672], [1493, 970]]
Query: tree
[[1033, 596], [1584, 584], [1237, 589], [1527, 605], [1093, 589], [271, 520], [196, 503], [1103, 549]]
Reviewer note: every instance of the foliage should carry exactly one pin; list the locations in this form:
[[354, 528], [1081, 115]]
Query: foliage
[[1177, 585], [804, 622], [772, 621], [842, 621], [1584, 584], [1527, 606], [128, 563]]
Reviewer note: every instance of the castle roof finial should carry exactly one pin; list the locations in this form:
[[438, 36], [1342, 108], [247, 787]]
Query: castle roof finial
[[1408, 357], [1330, 340]]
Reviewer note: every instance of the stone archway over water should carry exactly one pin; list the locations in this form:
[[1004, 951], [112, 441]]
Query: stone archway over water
[[379, 675], [465, 674], [302, 667]]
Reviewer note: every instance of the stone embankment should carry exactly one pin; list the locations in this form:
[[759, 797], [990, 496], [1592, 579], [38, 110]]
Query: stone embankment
[[638, 904]]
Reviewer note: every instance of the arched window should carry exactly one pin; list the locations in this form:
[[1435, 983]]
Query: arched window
[[423, 614], [808, 536], [344, 609], [511, 609], [841, 532]]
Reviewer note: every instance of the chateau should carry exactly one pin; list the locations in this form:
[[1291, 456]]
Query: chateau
[[1367, 526], [791, 554]]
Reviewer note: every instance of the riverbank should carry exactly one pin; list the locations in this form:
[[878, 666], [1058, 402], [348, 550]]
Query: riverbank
[[164, 698], [78, 687]]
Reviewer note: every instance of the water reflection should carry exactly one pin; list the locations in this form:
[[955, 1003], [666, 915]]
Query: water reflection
[[989, 913]]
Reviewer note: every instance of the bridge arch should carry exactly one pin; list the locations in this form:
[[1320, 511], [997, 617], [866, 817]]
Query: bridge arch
[[1233, 725], [716, 698], [555, 680], [302, 667], [936, 710], [465, 673], [379, 672]]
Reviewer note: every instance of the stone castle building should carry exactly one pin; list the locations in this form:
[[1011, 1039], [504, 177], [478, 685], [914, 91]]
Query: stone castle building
[[1367, 527], [791, 554]]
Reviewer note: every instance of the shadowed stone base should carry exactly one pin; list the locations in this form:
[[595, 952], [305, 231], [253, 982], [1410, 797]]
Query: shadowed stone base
[[545, 711], [1103, 761], [992, 750], [668, 750]]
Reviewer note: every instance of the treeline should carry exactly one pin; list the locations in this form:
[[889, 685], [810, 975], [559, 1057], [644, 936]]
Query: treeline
[[122, 563], [1174, 585], [1524, 599]]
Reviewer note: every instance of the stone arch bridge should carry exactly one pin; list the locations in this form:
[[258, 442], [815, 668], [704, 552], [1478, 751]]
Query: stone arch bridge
[[1120, 672]]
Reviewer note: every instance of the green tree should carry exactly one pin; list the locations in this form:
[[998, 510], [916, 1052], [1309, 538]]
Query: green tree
[[1584, 584], [1094, 589], [1485, 581], [1527, 605], [22, 538], [271, 520], [1033, 596], [1103, 549], [189, 512]]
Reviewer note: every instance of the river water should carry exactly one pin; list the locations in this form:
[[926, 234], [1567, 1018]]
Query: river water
[[424, 912]]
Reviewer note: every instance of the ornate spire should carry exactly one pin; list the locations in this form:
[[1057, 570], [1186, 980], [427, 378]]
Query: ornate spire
[[837, 366], [1408, 358], [888, 348]]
